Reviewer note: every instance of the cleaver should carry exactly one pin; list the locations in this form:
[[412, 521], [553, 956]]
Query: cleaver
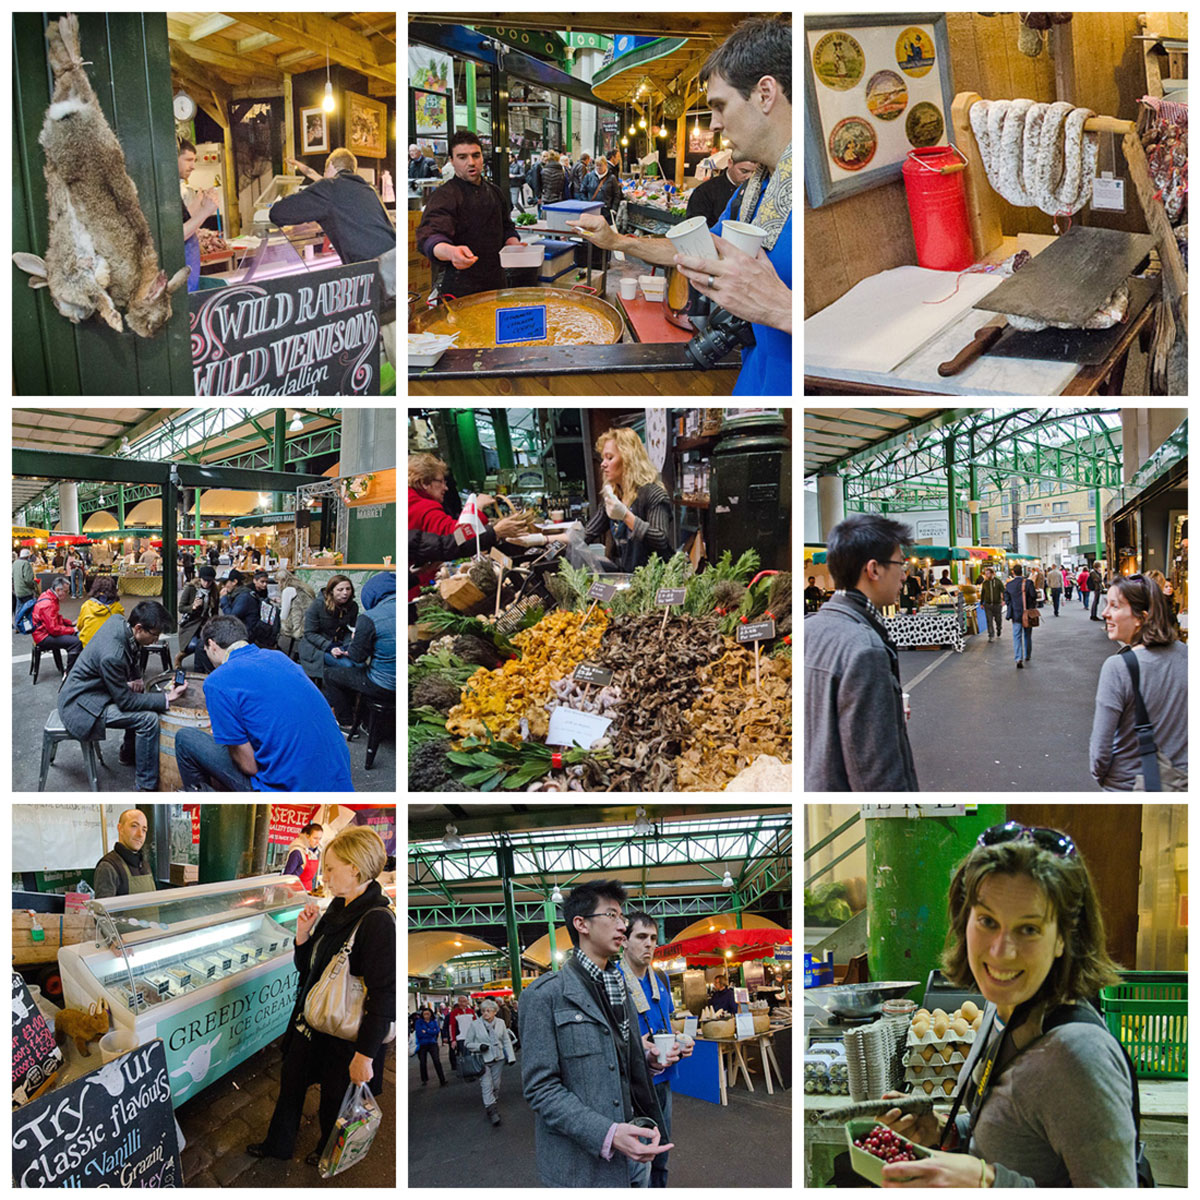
[[986, 336]]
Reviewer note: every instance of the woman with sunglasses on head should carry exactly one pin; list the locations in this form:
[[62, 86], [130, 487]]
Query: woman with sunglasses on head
[[1049, 1101], [1137, 617]]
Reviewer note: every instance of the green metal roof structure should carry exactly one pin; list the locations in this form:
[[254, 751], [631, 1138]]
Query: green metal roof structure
[[497, 884]]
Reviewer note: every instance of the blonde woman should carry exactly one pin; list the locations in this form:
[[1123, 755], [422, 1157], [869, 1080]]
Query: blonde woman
[[635, 518], [350, 865]]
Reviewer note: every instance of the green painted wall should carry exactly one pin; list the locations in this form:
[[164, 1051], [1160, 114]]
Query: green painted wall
[[130, 73]]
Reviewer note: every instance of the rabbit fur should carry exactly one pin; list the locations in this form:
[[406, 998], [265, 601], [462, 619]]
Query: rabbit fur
[[81, 1027], [101, 258]]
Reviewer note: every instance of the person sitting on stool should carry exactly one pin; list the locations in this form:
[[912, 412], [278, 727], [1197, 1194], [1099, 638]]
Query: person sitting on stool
[[51, 630], [271, 729]]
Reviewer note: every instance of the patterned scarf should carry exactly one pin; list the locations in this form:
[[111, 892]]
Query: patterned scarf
[[776, 206]]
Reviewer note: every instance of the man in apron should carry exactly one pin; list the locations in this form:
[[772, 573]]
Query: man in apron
[[124, 869]]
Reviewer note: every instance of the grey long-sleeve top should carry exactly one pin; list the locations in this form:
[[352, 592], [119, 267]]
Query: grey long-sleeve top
[[651, 534], [1061, 1114], [1113, 750]]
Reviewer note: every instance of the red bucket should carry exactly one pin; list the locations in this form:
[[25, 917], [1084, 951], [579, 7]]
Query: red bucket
[[937, 208]]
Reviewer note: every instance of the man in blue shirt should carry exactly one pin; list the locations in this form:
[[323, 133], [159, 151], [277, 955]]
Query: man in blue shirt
[[749, 82], [272, 730], [651, 996]]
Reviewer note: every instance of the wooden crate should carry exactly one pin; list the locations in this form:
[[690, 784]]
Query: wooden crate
[[184, 873], [61, 929]]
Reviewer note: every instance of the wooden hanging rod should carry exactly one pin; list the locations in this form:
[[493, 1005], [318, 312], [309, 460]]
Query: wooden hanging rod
[[1108, 125]]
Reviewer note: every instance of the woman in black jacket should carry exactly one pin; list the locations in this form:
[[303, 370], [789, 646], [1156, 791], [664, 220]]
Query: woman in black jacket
[[359, 909], [553, 179], [327, 626]]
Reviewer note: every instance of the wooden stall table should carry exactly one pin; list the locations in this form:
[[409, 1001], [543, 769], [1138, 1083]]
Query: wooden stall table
[[733, 1061], [648, 322]]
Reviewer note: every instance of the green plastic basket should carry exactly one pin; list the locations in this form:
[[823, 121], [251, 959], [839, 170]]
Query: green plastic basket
[[1147, 1013]]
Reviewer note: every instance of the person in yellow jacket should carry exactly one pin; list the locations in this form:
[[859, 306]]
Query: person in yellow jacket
[[101, 604]]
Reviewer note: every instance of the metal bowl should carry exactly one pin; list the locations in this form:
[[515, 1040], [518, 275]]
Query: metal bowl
[[858, 999]]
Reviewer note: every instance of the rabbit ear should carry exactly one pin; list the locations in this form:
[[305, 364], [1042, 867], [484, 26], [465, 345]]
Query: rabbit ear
[[156, 288], [33, 265], [178, 280], [109, 314]]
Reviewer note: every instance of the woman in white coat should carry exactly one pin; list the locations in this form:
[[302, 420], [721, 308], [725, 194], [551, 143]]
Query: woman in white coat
[[490, 1039]]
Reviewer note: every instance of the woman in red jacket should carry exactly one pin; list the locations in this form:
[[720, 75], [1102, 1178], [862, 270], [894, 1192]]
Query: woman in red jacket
[[426, 489], [50, 630]]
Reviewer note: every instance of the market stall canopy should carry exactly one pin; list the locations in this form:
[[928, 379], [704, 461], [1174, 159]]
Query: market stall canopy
[[100, 522], [728, 945], [219, 52], [539, 952], [720, 921], [146, 512], [28, 531], [427, 950], [225, 503], [70, 539]]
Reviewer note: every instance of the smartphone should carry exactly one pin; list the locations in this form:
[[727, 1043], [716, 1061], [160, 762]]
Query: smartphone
[[180, 677]]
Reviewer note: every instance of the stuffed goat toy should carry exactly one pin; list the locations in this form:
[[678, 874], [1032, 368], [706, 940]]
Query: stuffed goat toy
[[101, 257]]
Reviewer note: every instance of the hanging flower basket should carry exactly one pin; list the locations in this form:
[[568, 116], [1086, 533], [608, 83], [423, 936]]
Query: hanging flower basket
[[355, 487]]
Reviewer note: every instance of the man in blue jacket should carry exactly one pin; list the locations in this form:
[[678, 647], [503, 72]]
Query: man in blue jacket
[[855, 734]]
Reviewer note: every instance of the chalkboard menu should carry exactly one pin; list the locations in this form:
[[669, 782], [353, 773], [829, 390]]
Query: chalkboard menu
[[35, 1056], [113, 1127], [300, 335]]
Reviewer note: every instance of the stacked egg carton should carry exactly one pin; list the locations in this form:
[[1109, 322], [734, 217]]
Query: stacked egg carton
[[871, 1058], [825, 1070], [937, 1046]]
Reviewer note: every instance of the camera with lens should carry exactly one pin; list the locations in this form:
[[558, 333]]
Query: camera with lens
[[718, 333]]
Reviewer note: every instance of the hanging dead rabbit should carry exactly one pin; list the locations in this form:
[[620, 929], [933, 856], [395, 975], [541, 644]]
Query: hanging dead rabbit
[[101, 257]]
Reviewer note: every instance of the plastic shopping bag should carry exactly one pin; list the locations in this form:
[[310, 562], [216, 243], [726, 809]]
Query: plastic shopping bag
[[353, 1132], [472, 517]]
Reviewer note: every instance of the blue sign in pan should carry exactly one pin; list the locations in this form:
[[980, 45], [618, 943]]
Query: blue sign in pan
[[526, 324]]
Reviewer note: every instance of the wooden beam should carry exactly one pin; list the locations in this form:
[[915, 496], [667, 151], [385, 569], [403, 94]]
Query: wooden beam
[[715, 25], [210, 24], [323, 35], [229, 63], [197, 78], [256, 41], [289, 122]]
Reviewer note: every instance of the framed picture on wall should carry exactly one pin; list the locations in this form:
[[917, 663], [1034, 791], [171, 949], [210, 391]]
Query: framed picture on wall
[[366, 126], [875, 88], [314, 131]]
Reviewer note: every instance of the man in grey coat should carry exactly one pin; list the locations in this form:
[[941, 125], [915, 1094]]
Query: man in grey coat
[[584, 1067], [855, 733], [105, 687]]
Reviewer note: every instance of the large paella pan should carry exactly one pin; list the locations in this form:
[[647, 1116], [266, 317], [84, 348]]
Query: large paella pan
[[573, 318]]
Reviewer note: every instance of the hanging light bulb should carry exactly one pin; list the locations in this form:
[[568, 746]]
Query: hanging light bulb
[[641, 826], [327, 103], [557, 897], [297, 425], [632, 130], [452, 841], [642, 123], [624, 141], [727, 881]]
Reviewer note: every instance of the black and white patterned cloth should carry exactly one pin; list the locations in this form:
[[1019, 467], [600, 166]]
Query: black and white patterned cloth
[[614, 985], [927, 629]]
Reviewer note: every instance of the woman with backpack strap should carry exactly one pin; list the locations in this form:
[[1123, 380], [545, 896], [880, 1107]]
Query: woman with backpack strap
[[1048, 1095], [1139, 733]]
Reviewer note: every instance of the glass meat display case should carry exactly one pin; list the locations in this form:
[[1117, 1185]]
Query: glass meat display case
[[208, 969]]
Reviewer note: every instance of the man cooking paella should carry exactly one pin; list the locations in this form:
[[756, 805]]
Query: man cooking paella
[[466, 223]]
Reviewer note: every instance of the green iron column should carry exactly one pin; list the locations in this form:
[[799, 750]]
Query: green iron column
[[910, 862], [1100, 527], [226, 834], [279, 451], [120, 506], [951, 497], [550, 917], [170, 549], [504, 857], [470, 448], [471, 117], [504, 446]]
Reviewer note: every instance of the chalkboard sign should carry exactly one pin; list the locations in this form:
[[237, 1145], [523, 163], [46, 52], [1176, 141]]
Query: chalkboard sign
[[756, 631], [35, 1056], [670, 595], [114, 1127], [525, 324], [300, 335], [603, 592], [586, 673]]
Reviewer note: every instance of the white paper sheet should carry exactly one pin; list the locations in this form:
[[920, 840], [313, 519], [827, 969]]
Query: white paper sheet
[[883, 320]]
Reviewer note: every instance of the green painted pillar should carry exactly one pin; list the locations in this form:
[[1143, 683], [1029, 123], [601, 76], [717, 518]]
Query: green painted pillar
[[550, 917], [470, 448], [910, 862], [951, 497], [504, 446], [1100, 547], [170, 547], [973, 484], [471, 125], [279, 451], [121, 505], [226, 835], [504, 856]]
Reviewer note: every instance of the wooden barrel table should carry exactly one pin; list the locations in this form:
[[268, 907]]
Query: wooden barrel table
[[190, 711]]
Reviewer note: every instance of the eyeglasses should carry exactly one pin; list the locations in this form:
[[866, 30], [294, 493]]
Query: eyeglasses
[[1052, 840], [612, 916], [892, 562]]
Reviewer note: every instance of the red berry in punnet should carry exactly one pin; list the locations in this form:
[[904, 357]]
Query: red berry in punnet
[[886, 1145]]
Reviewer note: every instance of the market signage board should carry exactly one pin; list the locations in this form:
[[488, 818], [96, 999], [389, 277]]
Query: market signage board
[[299, 335], [586, 673], [670, 595], [286, 822], [111, 1128], [501, 558], [211, 1037], [603, 592], [568, 727], [35, 1056], [756, 631], [524, 324]]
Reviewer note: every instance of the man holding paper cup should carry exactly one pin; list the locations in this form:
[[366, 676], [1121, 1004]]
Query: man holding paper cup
[[749, 82], [652, 998]]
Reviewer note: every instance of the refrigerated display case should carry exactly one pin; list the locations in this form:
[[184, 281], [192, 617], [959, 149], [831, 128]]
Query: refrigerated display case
[[208, 969]]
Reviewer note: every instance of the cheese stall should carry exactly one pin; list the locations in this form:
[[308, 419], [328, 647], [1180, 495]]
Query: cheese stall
[[1021, 230]]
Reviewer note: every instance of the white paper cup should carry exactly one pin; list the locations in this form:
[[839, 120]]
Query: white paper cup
[[115, 1043], [662, 1044], [692, 237], [628, 289], [907, 710], [747, 238]]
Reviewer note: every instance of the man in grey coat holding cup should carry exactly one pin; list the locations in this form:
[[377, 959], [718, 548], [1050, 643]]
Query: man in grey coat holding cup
[[587, 1073]]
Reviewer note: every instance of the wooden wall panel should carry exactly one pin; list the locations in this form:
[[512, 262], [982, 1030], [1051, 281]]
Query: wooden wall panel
[[855, 238]]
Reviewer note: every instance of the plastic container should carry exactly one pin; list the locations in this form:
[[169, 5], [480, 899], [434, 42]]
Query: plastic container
[[522, 256], [866, 1164], [558, 214], [937, 208], [654, 287], [559, 259], [1147, 1014]]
